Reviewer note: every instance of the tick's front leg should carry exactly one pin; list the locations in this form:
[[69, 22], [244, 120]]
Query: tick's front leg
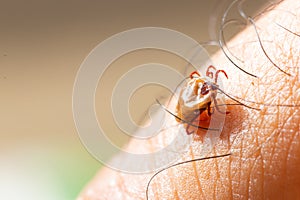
[[209, 73]]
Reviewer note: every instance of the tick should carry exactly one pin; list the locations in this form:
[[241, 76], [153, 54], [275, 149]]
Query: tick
[[197, 100]]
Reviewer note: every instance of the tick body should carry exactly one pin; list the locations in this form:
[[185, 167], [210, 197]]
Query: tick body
[[197, 101]]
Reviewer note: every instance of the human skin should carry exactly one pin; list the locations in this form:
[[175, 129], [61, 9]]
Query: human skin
[[264, 144]]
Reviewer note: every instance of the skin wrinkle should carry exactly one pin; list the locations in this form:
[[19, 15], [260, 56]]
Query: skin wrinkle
[[173, 185], [254, 165], [290, 145], [286, 162], [251, 180], [196, 173], [168, 180], [249, 177], [218, 177], [236, 165], [214, 184], [248, 181], [277, 168], [230, 180], [291, 178], [224, 182], [261, 177]]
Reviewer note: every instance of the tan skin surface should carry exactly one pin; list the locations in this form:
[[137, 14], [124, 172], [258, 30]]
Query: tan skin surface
[[265, 144]]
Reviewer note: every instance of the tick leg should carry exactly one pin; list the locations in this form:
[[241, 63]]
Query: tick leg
[[193, 73], [208, 109], [191, 123], [217, 74], [187, 130], [217, 107], [209, 73]]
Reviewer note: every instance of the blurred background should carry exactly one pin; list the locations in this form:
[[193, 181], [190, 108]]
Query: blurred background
[[42, 46]]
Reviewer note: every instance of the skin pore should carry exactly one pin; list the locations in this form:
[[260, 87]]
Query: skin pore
[[265, 144]]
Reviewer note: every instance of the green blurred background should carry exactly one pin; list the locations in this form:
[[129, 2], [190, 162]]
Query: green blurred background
[[42, 45]]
